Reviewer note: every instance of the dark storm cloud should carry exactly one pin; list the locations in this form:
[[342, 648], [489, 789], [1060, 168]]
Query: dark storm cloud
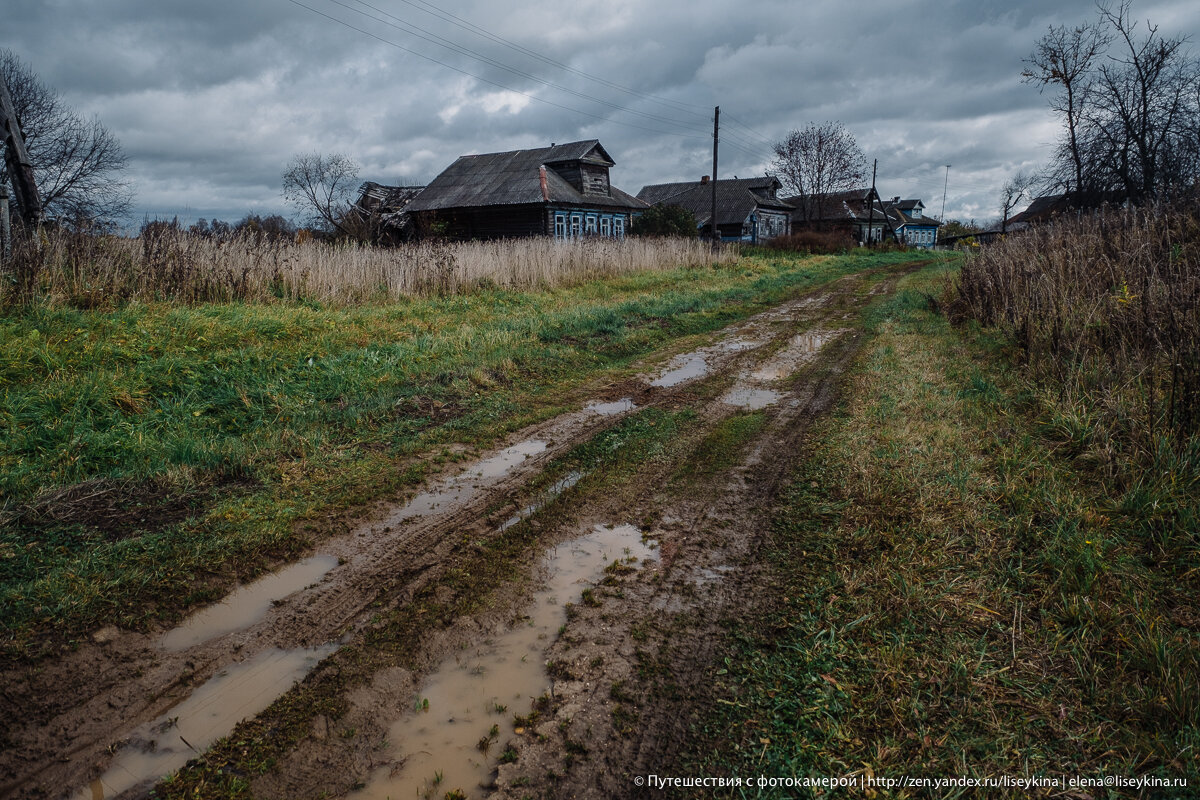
[[211, 100]]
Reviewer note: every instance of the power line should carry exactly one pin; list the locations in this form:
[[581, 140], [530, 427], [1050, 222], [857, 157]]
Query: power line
[[488, 81], [446, 16], [440, 41]]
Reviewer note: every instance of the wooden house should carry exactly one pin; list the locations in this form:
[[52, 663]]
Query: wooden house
[[857, 212], [562, 191], [748, 209], [382, 211], [911, 226]]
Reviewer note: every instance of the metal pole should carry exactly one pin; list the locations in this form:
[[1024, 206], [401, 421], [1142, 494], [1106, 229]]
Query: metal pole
[[944, 187], [713, 219]]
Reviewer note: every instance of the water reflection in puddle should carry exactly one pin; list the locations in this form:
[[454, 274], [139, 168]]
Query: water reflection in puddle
[[800, 348], [247, 605], [682, 368], [462, 487], [615, 407], [553, 491], [750, 399], [465, 709], [240, 691]]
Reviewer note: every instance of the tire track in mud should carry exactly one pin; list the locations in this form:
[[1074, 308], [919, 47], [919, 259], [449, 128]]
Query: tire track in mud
[[714, 535], [129, 679]]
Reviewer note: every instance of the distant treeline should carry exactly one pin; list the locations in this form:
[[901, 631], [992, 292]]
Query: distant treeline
[[270, 227]]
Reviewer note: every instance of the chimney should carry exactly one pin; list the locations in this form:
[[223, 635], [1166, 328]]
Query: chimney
[[703, 180]]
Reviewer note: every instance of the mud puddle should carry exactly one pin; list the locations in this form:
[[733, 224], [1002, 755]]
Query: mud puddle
[[550, 493], [625, 404], [244, 607], [464, 713], [240, 691], [800, 348], [749, 398], [682, 368]]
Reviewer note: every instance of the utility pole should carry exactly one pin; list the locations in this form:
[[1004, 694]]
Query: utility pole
[[945, 186], [871, 203], [712, 220], [17, 158]]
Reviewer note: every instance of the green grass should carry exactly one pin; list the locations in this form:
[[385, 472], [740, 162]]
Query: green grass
[[956, 594], [152, 454]]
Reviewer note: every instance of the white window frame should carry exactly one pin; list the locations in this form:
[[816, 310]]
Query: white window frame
[[560, 226], [606, 227], [590, 225], [576, 226], [618, 227]]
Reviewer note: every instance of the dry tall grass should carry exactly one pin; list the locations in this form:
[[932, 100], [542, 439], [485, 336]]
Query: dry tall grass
[[89, 271], [1107, 309]]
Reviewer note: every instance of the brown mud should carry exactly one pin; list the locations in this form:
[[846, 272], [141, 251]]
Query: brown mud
[[627, 666]]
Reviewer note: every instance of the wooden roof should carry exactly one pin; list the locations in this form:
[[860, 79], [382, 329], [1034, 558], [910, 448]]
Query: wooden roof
[[514, 178], [737, 198]]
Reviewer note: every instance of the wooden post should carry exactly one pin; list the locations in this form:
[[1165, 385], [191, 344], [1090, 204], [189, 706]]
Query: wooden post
[[17, 157], [5, 228], [713, 219], [871, 205]]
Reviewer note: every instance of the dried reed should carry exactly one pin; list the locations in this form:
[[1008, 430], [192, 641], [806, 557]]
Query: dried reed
[[87, 270]]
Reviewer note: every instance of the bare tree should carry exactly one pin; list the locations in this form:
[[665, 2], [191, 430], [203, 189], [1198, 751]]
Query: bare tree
[[818, 161], [77, 163], [321, 186], [1065, 58], [1130, 103], [1015, 190]]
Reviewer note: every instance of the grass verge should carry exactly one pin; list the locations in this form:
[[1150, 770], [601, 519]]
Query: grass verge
[[953, 596]]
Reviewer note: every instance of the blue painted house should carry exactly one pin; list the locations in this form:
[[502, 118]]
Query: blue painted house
[[910, 226]]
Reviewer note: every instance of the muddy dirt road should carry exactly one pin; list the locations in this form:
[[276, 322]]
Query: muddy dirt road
[[578, 674]]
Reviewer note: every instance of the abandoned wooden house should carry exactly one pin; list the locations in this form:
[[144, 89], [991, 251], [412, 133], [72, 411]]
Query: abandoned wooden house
[[383, 210], [748, 209], [562, 191]]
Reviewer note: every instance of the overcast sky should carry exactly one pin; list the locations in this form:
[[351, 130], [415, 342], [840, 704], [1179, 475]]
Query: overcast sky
[[211, 99]]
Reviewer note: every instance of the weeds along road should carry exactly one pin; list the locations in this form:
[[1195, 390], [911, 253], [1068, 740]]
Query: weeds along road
[[682, 460]]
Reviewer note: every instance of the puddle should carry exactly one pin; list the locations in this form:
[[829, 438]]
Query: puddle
[[682, 368], [737, 345], [800, 348], [163, 746], [751, 399], [555, 489], [480, 690], [247, 605], [462, 487], [615, 407]]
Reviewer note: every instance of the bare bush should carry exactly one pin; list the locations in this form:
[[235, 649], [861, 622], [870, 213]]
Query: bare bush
[[169, 263], [1106, 308], [822, 242]]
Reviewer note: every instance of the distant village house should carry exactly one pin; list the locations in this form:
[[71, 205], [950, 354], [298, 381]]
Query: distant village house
[[910, 225], [748, 209]]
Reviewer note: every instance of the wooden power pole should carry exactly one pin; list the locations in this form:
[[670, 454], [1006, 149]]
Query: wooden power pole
[[871, 205], [713, 219], [17, 159]]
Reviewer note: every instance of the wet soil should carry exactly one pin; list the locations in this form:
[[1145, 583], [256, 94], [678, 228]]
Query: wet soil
[[621, 672]]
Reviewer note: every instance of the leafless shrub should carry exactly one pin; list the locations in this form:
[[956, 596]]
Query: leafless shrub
[[167, 263], [806, 241]]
